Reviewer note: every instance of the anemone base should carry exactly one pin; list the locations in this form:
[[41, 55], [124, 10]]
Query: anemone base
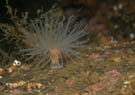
[[56, 66]]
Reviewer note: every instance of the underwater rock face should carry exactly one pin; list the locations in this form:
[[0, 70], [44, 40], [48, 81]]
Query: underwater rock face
[[82, 8], [22, 6], [107, 81]]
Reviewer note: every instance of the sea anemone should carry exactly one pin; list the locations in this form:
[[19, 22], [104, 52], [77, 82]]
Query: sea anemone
[[55, 39]]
